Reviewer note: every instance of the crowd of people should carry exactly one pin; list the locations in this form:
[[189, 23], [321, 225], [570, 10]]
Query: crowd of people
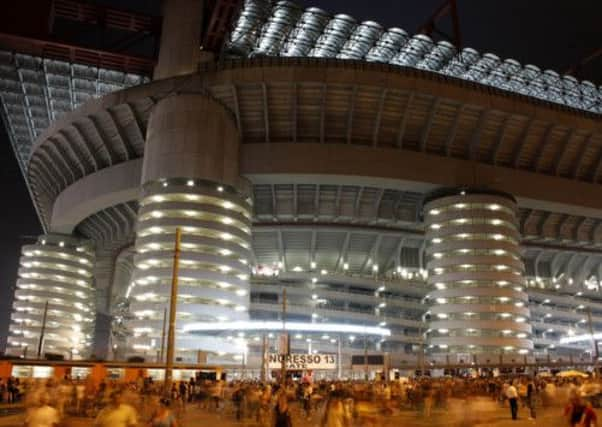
[[459, 401]]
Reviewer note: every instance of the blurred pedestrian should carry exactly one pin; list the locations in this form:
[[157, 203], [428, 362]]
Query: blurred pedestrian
[[116, 414], [512, 396], [42, 414], [163, 417]]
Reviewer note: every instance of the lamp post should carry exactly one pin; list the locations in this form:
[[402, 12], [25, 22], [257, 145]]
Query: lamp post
[[172, 314]]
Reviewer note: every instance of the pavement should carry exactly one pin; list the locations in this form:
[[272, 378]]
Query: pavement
[[471, 413]]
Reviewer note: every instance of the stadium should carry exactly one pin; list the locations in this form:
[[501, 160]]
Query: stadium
[[413, 199]]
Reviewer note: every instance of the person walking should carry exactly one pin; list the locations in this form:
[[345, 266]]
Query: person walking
[[116, 414], [579, 413], [42, 415], [282, 416], [531, 398], [163, 417], [512, 396]]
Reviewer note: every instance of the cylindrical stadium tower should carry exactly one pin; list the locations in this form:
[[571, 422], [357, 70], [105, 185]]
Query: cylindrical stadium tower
[[190, 181], [54, 306], [478, 304]]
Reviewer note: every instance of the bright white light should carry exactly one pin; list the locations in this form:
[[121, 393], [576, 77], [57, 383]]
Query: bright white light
[[346, 266], [220, 188], [572, 338], [290, 326], [312, 264], [190, 183], [228, 205]]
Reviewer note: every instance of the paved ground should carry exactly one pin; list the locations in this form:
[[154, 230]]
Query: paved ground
[[476, 412]]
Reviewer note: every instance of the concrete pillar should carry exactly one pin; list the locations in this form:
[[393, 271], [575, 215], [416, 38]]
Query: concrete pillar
[[180, 48], [56, 269], [473, 258], [191, 181]]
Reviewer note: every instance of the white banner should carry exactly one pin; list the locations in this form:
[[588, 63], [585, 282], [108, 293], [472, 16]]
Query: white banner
[[303, 361]]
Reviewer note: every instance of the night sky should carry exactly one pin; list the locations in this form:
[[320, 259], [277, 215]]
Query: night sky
[[550, 34]]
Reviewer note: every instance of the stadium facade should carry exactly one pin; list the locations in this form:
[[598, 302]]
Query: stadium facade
[[412, 199]]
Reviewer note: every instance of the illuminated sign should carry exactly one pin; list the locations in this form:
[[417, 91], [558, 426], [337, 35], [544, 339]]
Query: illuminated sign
[[303, 361]]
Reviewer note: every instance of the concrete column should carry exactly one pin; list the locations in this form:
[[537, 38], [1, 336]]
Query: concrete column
[[191, 181], [57, 270], [180, 48], [473, 258]]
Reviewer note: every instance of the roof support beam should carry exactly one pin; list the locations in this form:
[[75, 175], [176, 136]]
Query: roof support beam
[[567, 268], [536, 163], [274, 203], [266, 116], [595, 230], [580, 156], [317, 202], [451, 136], [597, 168], [578, 226], [379, 198], [372, 255], [295, 203], [404, 119], [323, 114], [475, 139], [281, 253], [236, 109], [89, 147], [312, 246], [581, 271], [561, 223], [103, 138], [561, 150], [542, 222], [378, 118], [520, 143], [499, 140], [127, 151], [395, 257], [350, 114], [294, 112], [429, 123], [525, 221], [554, 267], [61, 142], [356, 205], [140, 128], [337, 204], [343, 253], [53, 147], [536, 263]]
